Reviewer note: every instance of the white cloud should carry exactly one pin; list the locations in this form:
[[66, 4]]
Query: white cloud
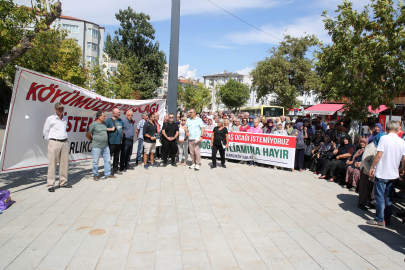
[[245, 71], [226, 47], [103, 13], [300, 27], [185, 72]]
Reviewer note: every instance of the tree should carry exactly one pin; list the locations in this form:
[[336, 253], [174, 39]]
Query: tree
[[192, 96], [134, 46], [365, 63], [234, 94], [52, 54], [287, 72], [16, 35]]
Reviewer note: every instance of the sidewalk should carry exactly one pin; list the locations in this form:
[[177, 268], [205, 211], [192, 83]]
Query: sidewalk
[[176, 218]]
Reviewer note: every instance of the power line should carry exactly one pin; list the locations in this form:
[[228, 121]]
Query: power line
[[242, 20]]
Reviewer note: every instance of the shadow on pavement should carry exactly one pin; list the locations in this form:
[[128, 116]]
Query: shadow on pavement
[[393, 235]]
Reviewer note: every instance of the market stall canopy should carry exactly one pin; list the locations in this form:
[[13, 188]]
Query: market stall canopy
[[324, 109], [380, 109]]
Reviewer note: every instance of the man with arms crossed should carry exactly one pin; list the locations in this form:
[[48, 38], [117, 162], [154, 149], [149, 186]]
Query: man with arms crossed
[[115, 138], [58, 148], [195, 131], [127, 141], [149, 144], [98, 137], [390, 151], [170, 131]]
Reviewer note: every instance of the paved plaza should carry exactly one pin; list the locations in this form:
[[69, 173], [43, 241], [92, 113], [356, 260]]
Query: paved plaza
[[176, 218]]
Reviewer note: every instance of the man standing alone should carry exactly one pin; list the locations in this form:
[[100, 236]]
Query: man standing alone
[[58, 148], [98, 137], [170, 131], [139, 133], [127, 141], [390, 151], [115, 138], [195, 130], [149, 144]]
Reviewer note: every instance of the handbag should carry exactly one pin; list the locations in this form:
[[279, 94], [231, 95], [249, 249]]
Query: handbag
[[5, 199]]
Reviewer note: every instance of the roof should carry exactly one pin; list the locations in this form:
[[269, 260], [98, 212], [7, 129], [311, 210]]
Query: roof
[[76, 19], [330, 109], [224, 75], [187, 82]]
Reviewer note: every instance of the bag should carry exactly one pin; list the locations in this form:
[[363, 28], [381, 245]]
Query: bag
[[5, 199], [308, 149], [329, 155]]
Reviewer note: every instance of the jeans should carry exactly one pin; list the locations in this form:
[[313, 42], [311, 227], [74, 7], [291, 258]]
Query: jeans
[[96, 154], [126, 152], [183, 151], [383, 194], [139, 151]]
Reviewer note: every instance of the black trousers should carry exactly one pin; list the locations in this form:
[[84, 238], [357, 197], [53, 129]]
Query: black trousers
[[115, 150], [126, 152], [299, 158], [169, 148], [322, 161], [215, 149], [330, 168]]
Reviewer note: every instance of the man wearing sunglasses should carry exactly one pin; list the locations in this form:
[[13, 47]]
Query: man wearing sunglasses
[[170, 131]]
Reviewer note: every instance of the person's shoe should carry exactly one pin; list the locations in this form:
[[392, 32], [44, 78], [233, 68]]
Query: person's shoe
[[362, 207], [223, 166], [251, 163], [174, 165], [124, 170], [192, 166], [154, 165], [51, 189], [146, 167], [353, 189], [66, 186], [118, 172], [375, 223], [184, 164], [321, 177], [331, 180], [110, 176], [164, 165], [401, 214], [197, 167], [95, 178], [213, 166], [254, 164]]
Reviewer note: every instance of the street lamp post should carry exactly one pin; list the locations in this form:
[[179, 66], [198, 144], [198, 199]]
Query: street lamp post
[[174, 58]]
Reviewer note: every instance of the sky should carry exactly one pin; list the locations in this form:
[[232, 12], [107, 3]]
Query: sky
[[211, 40]]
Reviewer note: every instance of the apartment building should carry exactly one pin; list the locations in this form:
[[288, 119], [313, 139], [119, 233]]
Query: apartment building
[[162, 90]]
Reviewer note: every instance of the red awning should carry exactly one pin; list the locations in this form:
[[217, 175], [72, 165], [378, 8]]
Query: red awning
[[324, 109], [382, 108]]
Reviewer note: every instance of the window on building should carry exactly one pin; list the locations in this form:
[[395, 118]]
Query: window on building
[[159, 91], [165, 85], [71, 28], [92, 32], [165, 77], [92, 46], [166, 69], [241, 80], [308, 103], [91, 59]]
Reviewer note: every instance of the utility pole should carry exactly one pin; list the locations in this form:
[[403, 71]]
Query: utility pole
[[174, 58]]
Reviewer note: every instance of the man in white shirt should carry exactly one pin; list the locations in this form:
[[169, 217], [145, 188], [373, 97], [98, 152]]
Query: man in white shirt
[[390, 151], [58, 148]]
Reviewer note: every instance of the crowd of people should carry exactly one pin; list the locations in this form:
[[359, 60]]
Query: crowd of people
[[369, 165]]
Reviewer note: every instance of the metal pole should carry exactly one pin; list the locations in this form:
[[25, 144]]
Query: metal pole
[[174, 58]]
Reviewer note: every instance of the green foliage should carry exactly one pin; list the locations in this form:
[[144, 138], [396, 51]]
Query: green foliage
[[97, 79], [54, 55], [234, 94], [133, 45], [194, 97], [287, 72], [366, 60]]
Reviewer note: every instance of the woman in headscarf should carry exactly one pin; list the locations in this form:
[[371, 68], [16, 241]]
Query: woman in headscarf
[[321, 158], [288, 127], [255, 129], [251, 119], [280, 130], [210, 125], [244, 127], [300, 146], [366, 185], [353, 171], [310, 130], [376, 130], [333, 168], [269, 128], [316, 142], [204, 119]]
